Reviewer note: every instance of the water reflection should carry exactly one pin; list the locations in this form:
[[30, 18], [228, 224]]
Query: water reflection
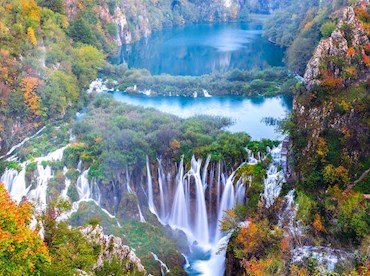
[[248, 113], [202, 49]]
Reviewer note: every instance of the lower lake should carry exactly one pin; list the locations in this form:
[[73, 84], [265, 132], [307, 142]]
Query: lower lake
[[253, 115]]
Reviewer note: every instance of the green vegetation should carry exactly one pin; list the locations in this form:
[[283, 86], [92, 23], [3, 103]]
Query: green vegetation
[[300, 26], [112, 136], [42, 69], [53, 137], [269, 82]]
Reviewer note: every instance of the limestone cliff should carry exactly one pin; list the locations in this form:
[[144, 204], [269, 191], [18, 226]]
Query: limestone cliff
[[342, 58], [331, 118], [113, 247]]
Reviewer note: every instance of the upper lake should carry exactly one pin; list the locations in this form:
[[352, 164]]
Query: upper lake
[[202, 49]]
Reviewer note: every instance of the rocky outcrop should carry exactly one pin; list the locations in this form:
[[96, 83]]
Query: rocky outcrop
[[113, 247], [340, 60]]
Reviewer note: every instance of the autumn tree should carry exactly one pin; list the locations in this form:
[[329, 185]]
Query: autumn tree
[[22, 252], [31, 36], [31, 99]]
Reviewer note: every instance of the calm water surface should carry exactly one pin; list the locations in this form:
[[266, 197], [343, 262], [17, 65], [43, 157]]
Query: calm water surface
[[246, 112], [202, 49]]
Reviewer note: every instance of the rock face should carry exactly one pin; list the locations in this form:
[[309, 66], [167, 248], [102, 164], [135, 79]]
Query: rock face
[[136, 19], [113, 247], [340, 59]]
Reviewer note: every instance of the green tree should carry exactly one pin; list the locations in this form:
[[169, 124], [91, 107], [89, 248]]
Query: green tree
[[60, 92], [327, 28], [86, 61]]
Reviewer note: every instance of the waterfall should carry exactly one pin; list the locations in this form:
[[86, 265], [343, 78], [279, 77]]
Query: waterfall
[[67, 183], [150, 188], [205, 170], [161, 182], [200, 229], [182, 204], [83, 186], [227, 202], [179, 213], [275, 178], [164, 267], [15, 182], [22, 143], [128, 187], [142, 219]]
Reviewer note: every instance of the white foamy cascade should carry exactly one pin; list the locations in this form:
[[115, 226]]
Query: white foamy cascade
[[274, 180], [15, 182], [150, 188], [188, 206], [164, 267]]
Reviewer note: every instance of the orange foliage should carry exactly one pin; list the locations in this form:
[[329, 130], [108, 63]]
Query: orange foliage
[[31, 99], [351, 51], [285, 244], [367, 49], [308, 25], [8, 7], [366, 60], [332, 82], [318, 224], [343, 174], [362, 14], [257, 267], [21, 249]]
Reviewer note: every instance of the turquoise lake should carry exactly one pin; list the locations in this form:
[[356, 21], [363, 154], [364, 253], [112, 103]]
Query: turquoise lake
[[247, 113], [202, 49]]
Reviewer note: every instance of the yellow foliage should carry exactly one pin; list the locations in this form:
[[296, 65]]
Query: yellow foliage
[[31, 36], [296, 271], [31, 10], [318, 225], [322, 149], [22, 251], [31, 100]]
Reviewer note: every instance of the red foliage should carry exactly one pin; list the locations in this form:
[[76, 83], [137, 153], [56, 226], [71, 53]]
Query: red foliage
[[366, 60]]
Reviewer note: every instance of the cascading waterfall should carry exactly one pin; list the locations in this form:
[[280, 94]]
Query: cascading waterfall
[[200, 229], [161, 182], [15, 182], [188, 208], [275, 178], [83, 186], [179, 214], [150, 188]]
